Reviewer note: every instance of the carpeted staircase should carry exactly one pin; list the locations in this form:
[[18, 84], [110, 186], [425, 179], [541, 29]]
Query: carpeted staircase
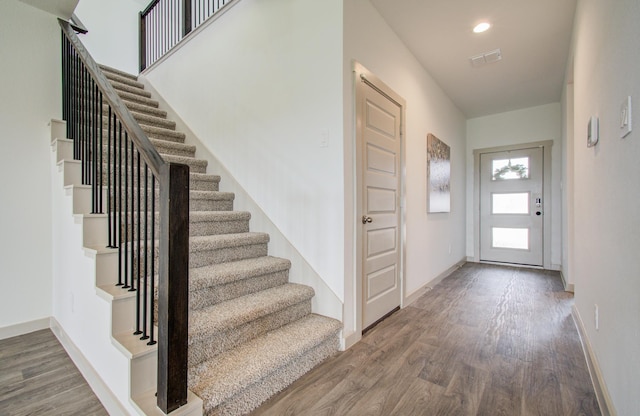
[[251, 332]]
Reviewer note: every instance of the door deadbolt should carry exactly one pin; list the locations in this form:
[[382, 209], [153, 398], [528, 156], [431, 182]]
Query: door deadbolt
[[366, 219]]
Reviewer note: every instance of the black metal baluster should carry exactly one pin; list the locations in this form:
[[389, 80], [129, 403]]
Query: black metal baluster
[[121, 274], [109, 190], [157, 40], [63, 43], [186, 17], [87, 132], [165, 28], [125, 231], [100, 110], [94, 147], [132, 244], [139, 240], [74, 107], [146, 254], [80, 125], [152, 298]]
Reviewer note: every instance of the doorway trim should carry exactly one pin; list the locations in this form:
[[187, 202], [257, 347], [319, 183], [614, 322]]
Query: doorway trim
[[546, 184], [362, 78]]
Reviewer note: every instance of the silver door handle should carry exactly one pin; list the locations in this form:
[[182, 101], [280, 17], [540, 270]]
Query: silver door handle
[[366, 219]]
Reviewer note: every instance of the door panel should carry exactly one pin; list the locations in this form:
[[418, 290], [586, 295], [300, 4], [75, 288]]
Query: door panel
[[511, 206], [380, 204]]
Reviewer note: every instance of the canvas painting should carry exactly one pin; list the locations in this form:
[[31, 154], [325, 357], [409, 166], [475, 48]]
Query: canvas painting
[[438, 175]]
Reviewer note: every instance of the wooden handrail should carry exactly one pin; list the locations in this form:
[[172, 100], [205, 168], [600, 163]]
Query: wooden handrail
[[173, 272], [140, 139]]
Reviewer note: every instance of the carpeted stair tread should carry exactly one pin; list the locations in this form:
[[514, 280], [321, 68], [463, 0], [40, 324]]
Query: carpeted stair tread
[[236, 312], [122, 87], [195, 165], [113, 77], [203, 182], [151, 120], [130, 97], [272, 356], [212, 195], [224, 273], [219, 216], [218, 222], [174, 148], [163, 147], [213, 242], [145, 109], [112, 70], [221, 248], [163, 134]]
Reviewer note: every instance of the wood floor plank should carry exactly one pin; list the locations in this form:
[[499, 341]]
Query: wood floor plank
[[487, 340], [467, 387], [37, 377], [541, 394], [305, 392], [384, 395], [503, 394], [423, 398]]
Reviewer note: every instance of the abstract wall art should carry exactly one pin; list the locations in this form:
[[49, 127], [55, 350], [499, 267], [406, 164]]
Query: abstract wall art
[[438, 175]]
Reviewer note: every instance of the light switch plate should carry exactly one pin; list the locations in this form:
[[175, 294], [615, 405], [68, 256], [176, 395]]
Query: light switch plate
[[625, 117]]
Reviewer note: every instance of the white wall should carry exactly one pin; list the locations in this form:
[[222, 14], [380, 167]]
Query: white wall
[[607, 190], [370, 41], [528, 125], [30, 91], [258, 87], [113, 31]]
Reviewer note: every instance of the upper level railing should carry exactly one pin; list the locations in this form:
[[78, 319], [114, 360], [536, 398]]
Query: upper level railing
[[164, 23], [125, 172]]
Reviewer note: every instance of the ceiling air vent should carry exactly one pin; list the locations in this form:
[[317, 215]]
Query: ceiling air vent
[[486, 58]]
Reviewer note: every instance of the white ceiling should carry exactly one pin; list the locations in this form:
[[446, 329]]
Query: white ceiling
[[533, 35]]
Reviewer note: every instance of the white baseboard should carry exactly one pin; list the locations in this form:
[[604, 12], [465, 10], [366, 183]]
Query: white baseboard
[[599, 385], [350, 340], [24, 328], [99, 387], [413, 296]]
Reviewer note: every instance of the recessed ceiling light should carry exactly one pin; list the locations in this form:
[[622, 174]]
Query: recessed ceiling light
[[482, 27]]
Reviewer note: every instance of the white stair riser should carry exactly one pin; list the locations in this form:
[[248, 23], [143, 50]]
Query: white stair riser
[[63, 149], [123, 315], [95, 230], [82, 199], [106, 268], [144, 373], [72, 172]]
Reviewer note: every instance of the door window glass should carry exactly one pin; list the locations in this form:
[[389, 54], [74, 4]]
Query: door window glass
[[510, 203], [515, 238], [505, 169]]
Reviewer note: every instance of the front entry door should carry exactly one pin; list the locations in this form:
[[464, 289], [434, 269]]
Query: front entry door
[[380, 172], [512, 206]]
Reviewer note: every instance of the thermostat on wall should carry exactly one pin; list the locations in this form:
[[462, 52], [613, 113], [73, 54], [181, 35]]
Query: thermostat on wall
[[592, 132]]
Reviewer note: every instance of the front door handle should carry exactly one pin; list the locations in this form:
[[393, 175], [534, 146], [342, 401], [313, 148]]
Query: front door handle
[[366, 219]]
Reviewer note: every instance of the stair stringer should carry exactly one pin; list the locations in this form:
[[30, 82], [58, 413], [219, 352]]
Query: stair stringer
[[93, 319], [325, 302]]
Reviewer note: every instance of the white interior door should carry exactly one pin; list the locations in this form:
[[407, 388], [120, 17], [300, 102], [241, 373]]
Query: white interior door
[[512, 206], [380, 222]]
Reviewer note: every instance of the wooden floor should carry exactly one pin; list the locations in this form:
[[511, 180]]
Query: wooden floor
[[488, 340], [37, 377]]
